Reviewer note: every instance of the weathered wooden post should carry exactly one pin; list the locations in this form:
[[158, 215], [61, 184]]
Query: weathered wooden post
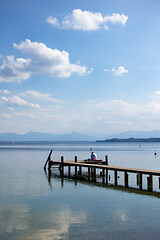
[[48, 161], [75, 166], [69, 171], [106, 176], [126, 179], [103, 175], [80, 170], [106, 159], [62, 167], [115, 177], [150, 183], [137, 179], [140, 181]]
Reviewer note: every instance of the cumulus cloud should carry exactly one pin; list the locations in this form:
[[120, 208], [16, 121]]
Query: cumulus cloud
[[14, 70], [119, 71], [87, 21], [41, 60], [17, 101]]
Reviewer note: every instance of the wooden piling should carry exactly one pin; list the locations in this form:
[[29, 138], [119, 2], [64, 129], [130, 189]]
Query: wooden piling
[[137, 179], [106, 159], [150, 183], [75, 166], [62, 167], [80, 170], [106, 177], [140, 181], [69, 171], [126, 179], [115, 177], [103, 175]]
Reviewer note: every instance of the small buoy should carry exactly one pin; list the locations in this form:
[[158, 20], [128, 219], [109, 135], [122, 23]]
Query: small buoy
[[155, 153]]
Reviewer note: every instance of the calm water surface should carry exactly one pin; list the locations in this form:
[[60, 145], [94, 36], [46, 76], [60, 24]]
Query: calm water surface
[[31, 208]]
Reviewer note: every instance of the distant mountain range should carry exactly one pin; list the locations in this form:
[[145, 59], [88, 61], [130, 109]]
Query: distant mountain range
[[74, 136], [137, 134], [38, 136]]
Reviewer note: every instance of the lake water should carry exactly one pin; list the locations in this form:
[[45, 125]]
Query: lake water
[[33, 208]]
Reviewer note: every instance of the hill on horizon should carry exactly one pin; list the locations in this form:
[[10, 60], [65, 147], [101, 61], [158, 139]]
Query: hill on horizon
[[39, 136], [136, 134]]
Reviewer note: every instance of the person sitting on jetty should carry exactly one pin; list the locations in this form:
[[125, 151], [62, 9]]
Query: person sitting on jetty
[[93, 156]]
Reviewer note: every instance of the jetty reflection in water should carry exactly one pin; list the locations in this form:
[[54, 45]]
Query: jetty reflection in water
[[98, 182]]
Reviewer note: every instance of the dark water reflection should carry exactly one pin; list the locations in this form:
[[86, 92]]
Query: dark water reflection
[[32, 208]]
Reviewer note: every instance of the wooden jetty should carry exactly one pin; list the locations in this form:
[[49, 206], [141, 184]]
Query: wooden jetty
[[103, 166]]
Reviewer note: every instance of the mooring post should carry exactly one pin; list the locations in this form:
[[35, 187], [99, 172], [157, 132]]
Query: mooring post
[[80, 170], [106, 176], [103, 175], [150, 183], [115, 177], [62, 166], [137, 179], [126, 179], [106, 159], [69, 171], [75, 166], [140, 181]]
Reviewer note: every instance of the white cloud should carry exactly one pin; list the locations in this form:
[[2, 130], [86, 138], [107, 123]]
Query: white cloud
[[88, 21], [17, 101], [14, 70], [41, 60], [120, 70], [5, 91], [99, 117], [53, 21], [40, 96], [6, 116]]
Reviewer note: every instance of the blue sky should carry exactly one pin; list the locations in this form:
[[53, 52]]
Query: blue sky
[[86, 66]]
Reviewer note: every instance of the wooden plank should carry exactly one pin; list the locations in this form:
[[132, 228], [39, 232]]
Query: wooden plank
[[121, 169]]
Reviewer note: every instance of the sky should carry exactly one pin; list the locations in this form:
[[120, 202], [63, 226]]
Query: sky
[[91, 67]]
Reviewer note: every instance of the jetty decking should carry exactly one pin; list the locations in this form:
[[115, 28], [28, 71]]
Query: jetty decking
[[104, 167]]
